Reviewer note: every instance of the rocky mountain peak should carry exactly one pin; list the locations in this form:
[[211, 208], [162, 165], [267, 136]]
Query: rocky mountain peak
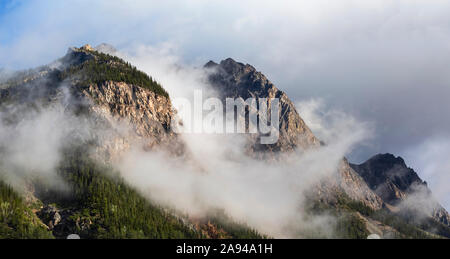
[[391, 179], [387, 160], [108, 89], [83, 49], [76, 56], [86, 52], [233, 79], [211, 64], [238, 79], [87, 47], [236, 68], [387, 171]]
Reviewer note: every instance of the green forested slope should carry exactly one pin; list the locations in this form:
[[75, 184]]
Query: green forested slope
[[104, 67], [100, 205], [16, 219]]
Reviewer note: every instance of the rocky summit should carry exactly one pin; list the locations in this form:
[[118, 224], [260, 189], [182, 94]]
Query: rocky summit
[[108, 89], [236, 80], [393, 181], [233, 80]]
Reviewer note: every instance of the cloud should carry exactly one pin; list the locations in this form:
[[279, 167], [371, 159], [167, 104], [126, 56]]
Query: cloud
[[330, 124], [266, 196], [218, 174], [430, 159], [31, 142], [163, 63], [35, 131]]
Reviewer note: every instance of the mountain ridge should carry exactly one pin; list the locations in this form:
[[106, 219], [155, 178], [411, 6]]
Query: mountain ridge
[[233, 80], [108, 93], [113, 91], [390, 177]]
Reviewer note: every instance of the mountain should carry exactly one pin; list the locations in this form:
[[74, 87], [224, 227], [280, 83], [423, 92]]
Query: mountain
[[108, 88], [126, 109], [367, 191], [233, 80], [392, 180], [105, 92]]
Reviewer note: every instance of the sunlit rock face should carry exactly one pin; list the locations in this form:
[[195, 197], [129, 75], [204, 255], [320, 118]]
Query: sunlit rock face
[[126, 114], [232, 79]]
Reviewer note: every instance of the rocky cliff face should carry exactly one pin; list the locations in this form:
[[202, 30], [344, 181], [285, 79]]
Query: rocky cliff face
[[233, 80], [144, 114], [355, 186], [398, 185], [118, 106], [148, 115], [388, 176]]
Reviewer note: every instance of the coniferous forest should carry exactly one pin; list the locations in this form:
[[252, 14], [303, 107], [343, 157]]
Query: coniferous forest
[[104, 67], [99, 204]]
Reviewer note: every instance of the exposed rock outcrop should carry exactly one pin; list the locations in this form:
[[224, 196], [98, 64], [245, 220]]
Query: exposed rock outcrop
[[398, 185], [129, 113], [233, 80], [148, 115], [50, 215]]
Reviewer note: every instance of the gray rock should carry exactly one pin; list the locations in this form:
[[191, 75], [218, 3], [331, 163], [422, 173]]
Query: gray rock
[[390, 178], [233, 80], [50, 216]]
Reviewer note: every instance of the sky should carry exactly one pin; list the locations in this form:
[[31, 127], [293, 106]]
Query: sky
[[384, 62]]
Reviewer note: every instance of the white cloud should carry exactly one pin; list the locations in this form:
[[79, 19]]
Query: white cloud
[[329, 125], [431, 160]]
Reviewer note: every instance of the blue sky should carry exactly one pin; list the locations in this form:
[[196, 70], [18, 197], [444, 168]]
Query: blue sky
[[8, 5], [385, 62]]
